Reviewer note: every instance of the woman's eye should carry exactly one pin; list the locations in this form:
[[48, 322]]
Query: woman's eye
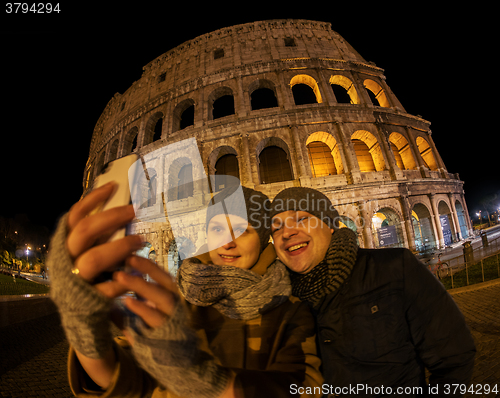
[[303, 218]]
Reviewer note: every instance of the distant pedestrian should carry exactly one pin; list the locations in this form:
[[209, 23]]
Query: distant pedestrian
[[14, 276]]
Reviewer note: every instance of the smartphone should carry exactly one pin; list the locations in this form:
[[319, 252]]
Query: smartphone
[[116, 171]]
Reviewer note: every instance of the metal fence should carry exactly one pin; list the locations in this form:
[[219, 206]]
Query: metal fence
[[475, 265]]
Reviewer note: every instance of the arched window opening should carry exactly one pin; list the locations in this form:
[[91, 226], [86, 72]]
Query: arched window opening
[[368, 151], [227, 165], [402, 152], [263, 98], [134, 144], [446, 223], [185, 182], [145, 188], [333, 149], [426, 152], [274, 165], [387, 230], [187, 118], [365, 160], [305, 90], [397, 156], [344, 90], [422, 228], [223, 106], [321, 159], [341, 94], [376, 93], [303, 94], [157, 130], [152, 185], [221, 103], [373, 98], [153, 129], [130, 141], [461, 220], [183, 115]]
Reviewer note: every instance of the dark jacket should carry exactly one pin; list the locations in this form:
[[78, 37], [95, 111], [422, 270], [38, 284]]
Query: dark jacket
[[387, 322]]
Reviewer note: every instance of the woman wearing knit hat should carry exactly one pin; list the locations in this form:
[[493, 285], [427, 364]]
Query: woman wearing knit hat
[[228, 329]]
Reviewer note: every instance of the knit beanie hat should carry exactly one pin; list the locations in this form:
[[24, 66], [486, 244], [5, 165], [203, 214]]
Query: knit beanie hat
[[246, 203], [306, 199]]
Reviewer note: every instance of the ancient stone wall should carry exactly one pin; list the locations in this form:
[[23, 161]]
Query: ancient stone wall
[[282, 103]]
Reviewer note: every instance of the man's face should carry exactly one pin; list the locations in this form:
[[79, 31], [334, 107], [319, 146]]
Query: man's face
[[300, 239]]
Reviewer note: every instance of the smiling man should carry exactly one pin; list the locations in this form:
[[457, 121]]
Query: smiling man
[[382, 317]]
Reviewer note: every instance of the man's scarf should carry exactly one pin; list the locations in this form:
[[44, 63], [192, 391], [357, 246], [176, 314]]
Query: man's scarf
[[330, 273]]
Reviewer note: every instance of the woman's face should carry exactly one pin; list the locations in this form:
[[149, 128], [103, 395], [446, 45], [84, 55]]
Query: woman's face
[[232, 241]]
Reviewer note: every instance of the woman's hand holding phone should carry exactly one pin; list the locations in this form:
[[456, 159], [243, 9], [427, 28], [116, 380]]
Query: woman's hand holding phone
[[85, 229]]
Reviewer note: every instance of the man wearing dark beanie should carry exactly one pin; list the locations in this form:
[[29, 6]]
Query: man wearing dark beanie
[[382, 317]]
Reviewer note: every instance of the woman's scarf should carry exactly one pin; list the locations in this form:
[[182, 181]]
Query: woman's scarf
[[235, 292], [330, 273]]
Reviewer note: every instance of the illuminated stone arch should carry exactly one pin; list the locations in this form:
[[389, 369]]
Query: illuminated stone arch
[[347, 85], [402, 152], [386, 228], [426, 153], [308, 81], [325, 159], [423, 230], [368, 151], [379, 98], [446, 221]]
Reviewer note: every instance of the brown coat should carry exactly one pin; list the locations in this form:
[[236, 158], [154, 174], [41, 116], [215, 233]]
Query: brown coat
[[269, 354]]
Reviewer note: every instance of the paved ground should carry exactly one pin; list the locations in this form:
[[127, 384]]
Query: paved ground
[[481, 308], [33, 354]]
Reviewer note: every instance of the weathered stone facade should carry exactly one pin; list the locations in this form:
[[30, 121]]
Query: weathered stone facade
[[284, 103]]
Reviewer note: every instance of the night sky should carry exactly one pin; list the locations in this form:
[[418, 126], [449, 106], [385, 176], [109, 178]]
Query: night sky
[[59, 71]]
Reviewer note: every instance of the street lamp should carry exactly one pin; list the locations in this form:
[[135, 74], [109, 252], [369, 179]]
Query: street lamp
[[27, 259]]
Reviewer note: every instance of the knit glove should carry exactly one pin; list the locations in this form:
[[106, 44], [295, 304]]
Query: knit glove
[[83, 309], [171, 355]]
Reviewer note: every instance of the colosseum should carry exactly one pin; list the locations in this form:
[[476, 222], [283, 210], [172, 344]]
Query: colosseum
[[279, 103]]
